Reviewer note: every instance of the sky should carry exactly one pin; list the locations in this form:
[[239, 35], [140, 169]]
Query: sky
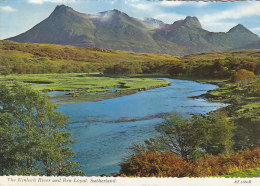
[[18, 16]]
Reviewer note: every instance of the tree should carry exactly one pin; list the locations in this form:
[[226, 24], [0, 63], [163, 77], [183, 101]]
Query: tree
[[33, 136], [220, 134], [176, 69], [191, 138]]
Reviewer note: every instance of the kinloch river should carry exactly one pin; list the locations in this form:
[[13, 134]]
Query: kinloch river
[[105, 129]]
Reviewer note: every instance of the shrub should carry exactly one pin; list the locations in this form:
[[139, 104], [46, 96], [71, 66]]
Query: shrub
[[242, 75], [221, 164], [166, 164], [155, 164]]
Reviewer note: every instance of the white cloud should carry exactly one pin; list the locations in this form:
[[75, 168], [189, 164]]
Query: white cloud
[[169, 17], [200, 3], [162, 4], [50, 1], [141, 6], [171, 3], [7, 9], [180, 3], [235, 13], [255, 29], [113, 1], [218, 26], [131, 1], [35, 1]]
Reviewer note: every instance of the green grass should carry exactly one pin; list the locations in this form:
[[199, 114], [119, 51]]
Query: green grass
[[249, 106], [243, 96], [243, 174], [84, 83]]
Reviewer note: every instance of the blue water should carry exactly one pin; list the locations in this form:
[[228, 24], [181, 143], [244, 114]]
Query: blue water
[[105, 129]]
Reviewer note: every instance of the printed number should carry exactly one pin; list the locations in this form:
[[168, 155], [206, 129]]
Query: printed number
[[242, 182], [237, 181]]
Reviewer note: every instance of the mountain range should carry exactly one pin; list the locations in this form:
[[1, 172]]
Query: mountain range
[[116, 30]]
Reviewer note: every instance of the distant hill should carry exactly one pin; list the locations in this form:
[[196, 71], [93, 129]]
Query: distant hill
[[114, 29]]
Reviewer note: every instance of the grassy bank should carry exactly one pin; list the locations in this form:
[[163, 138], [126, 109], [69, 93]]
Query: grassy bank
[[244, 174], [244, 108], [243, 97], [78, 87]]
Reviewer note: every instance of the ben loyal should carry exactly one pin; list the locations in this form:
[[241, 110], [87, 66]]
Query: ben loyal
[[114, 29]]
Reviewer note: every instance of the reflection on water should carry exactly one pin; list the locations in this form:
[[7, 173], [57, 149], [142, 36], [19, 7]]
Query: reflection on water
[[105, 129]]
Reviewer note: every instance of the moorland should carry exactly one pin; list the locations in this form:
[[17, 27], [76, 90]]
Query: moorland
[[94, 71]]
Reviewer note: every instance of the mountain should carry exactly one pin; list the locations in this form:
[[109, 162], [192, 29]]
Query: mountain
[[114, 29], [254, 45], [63, 26], [154, 23]]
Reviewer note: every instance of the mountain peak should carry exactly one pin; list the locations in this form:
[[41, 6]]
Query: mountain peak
[[114, 11], [61, 7], [114, 29], [112, 15], [155, 23], [238, 29], [189, 21], [192, 21]]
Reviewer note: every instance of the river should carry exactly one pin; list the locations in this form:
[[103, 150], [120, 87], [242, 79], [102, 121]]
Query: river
[[105, 129]]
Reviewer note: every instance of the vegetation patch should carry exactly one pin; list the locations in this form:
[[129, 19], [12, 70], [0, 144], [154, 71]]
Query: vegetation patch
[[244, 174], [166, 164], [82, 84]]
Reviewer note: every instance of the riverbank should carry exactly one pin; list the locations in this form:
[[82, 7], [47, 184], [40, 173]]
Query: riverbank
[[81, 87], [243, 97], [244, 108], [65, 99]]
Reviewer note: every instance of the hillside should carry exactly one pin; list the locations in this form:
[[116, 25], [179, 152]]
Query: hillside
[[50, 58], [28, 58], [116, 30]]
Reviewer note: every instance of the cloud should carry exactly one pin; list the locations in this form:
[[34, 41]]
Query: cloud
[[226, 19], [162, 4], [50, 1], [180, 3], [171, 3], [234, 13], [169, 17], [131, 1], [141, 6], [7, 9], [200, 3], [255, 29], [113, 1], [218, 26]]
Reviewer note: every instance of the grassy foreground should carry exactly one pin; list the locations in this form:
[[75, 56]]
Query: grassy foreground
[[244, 174], [86, 87]]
